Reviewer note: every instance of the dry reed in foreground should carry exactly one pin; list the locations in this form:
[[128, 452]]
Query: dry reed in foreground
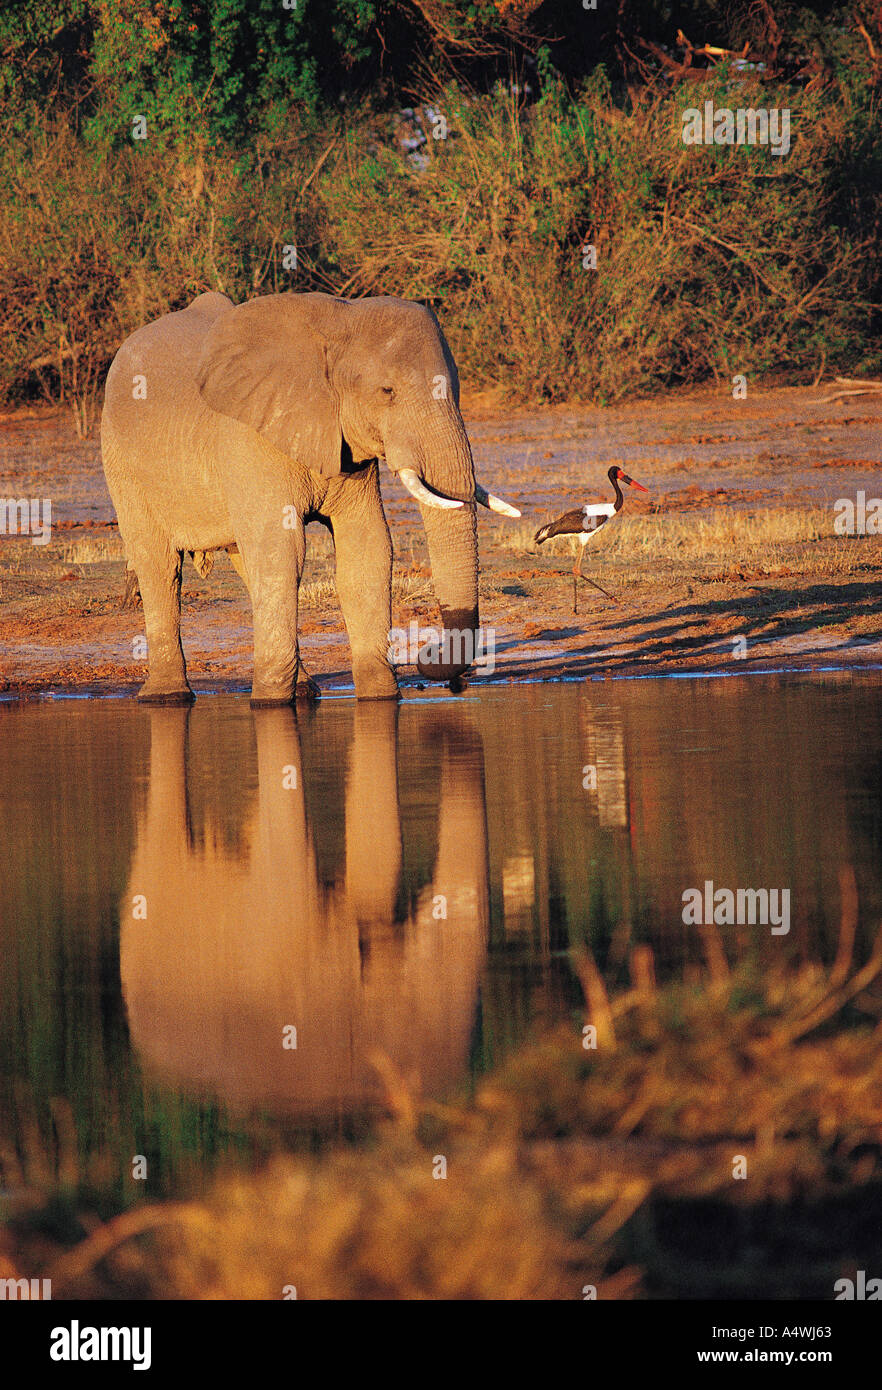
[[609, 1167]]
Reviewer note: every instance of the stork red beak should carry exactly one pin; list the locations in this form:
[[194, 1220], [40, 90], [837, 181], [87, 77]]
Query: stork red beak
[[631, 482]]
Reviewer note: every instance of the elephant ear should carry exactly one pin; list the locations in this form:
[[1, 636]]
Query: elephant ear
[[265, 363]]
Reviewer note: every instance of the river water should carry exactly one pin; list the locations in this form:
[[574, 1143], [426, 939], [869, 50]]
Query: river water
[[214, 922]]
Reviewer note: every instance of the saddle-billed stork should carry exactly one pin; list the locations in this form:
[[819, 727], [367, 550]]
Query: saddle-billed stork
[[584, 523]]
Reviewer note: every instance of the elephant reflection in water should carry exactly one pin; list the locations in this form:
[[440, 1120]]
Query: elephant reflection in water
[[235, 948]]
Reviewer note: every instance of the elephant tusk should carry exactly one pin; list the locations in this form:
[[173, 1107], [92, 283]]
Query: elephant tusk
[[495, 504], [417, 488]]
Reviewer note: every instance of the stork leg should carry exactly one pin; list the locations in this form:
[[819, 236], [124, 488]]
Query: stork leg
[[602, 590], [577, 575]]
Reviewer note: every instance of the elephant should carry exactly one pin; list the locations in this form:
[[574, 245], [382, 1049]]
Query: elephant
[[233, 426], [227, 940]]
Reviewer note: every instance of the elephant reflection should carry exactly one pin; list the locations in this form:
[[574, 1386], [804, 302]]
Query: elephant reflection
[[235, 948]]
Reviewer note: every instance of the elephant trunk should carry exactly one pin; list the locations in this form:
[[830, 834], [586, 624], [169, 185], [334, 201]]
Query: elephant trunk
[[434, 446], [453, 555]]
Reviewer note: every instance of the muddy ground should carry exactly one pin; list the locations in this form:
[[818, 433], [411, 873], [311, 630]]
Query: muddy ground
[[802, 605]]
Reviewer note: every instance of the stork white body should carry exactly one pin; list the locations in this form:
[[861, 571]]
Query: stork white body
[[595, 514]]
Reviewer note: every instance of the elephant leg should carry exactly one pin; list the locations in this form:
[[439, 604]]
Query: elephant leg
[[159, 579], [363, 549], [273, 558], [307, 688]]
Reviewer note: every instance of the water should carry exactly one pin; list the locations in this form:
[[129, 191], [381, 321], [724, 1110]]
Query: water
[[186, 895]]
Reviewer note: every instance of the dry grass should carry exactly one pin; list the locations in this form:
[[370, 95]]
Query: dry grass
[[92, 550], [406, 587], [690, 536], [369, 1227], [802, 539], [317, 593]]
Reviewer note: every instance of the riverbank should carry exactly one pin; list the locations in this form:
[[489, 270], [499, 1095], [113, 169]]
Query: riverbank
[[730, 562]]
